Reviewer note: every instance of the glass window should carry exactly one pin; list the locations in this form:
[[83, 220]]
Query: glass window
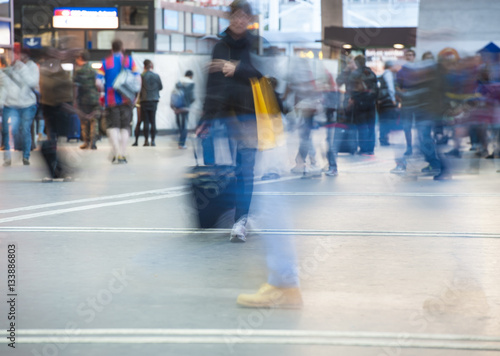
[[4, 8], [171, 20], [162, 43], [223, 24], [199, 23], [177, 42], [133, 40], [134, 17], [70, 38], [191, 46]]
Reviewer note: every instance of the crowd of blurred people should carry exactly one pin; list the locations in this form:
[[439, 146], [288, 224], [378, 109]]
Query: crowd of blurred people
[[441, 98]]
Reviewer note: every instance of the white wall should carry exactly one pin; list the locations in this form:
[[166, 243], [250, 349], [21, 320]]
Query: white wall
[[171, 67]]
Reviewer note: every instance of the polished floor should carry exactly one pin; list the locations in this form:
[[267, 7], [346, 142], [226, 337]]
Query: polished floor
[[112, 264]]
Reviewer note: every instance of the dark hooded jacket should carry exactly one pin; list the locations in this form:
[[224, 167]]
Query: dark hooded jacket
[[230, 96]]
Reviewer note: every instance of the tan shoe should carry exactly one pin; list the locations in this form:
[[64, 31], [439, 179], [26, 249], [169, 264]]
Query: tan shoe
[[270, 296]]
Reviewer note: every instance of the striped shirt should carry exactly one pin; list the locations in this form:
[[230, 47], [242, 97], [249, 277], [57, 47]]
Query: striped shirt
[[111, 67]]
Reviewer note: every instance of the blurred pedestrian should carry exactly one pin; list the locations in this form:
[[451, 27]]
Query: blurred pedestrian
[[363, 103], [20, 103], [185, 89], [56, 98], [149, 97], [408, 101], [87, 100], [386, 103], [118, 106], [229, 95]]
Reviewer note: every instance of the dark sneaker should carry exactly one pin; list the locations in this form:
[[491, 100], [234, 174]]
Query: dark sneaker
[[26, 161], [453, 153], [113, 160], [122, 160], [153, 144], [443, 176], [430, 170], [146, 144], [270, 176], [93, 147], [135, 144], [408, 152]]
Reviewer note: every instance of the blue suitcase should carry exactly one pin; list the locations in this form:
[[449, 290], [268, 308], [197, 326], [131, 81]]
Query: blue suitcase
[[74, 128]]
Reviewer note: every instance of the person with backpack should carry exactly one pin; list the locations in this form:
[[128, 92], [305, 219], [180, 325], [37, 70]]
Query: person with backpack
[[362, 103], [149, 97], [181, 99], [386, 103], [87, 100], [118, 105]]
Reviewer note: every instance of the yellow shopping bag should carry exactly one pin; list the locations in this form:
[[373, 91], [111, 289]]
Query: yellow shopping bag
[[269, 122]]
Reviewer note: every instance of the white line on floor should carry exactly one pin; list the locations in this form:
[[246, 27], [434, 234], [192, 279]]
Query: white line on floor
[[388, 194], [295, 232], [120, 196], [88, 200], [256, 332], [275, 340], [90, 207]]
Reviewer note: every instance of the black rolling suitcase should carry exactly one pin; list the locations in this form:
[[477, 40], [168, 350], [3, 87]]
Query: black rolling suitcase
[[346, 138], [212, 192]]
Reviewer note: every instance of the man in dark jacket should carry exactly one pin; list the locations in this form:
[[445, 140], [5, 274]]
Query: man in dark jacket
[[364, 110], [229, 97], [149, 97], [87, 99]]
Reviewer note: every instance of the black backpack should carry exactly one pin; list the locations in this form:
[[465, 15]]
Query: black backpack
[[384, 99]]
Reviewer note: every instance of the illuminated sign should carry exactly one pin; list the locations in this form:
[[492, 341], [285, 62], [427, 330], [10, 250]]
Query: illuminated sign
[[86, 17]]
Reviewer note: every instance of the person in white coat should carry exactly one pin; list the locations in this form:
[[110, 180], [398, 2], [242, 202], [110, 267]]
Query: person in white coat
[[18, 83]]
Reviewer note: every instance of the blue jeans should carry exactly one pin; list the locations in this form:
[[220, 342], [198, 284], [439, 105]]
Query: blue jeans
[[426, 141], [245, 162], [407, 115], [21, 119], [182, 119], [306, 146], [333, 148], [424, 123]]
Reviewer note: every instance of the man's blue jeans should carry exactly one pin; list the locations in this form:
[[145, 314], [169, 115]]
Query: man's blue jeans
[[21, 119]]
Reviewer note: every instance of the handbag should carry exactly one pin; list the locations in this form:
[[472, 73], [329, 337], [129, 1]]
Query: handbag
[[127, 83], [269, 120]]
